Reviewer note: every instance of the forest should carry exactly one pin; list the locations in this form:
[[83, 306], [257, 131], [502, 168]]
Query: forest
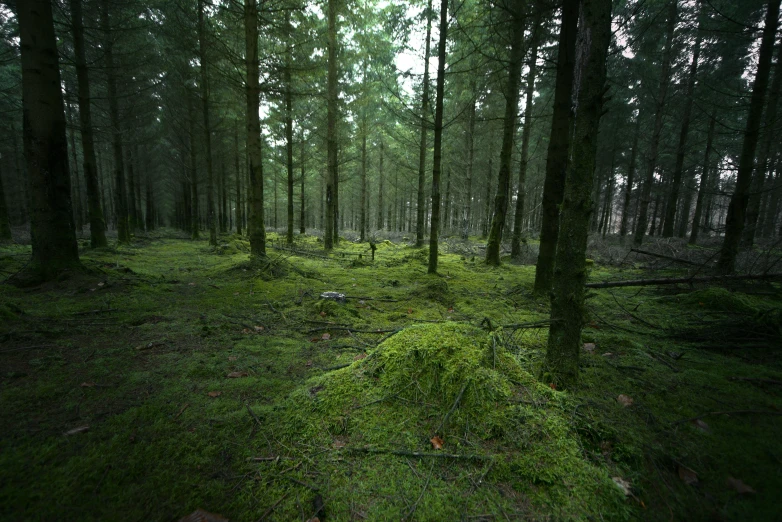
[[370, 260]]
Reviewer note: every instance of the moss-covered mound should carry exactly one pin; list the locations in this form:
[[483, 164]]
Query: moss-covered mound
[[455, 382]]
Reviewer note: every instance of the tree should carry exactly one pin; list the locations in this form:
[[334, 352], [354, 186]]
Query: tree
[[331, 230], [204, 86], [97, 223], [420, 220], [54, 247], [516, 12], [556, 161], [438, 137], [567, 296], [255, 223]]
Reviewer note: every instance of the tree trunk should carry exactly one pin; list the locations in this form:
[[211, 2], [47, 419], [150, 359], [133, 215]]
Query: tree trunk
[[525, 137], [559, 142], [132, 213], [767, 152], [567, 295], [629, 183], [642, 223], [419, 227], [5, 224], [438, 137], [673, 195], [289, 132], [120, 194], [97, 223], [332, 211], [237, 173], [193, 168], [76, 188], [381, 182], [470, 151], [255, 223], [447, 209], [204, 85], [734, 223], [494, 243], [54, 245], [704, 184], [303, 215]]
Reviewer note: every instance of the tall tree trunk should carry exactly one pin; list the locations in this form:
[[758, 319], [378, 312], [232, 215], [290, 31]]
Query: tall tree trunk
[[76, 188], [381, 182], [289, 132], [767, 151], [559, 144], [332, 212], [194, 216], [567, 295], [487, 200], [255, 223], [204, 86], [5, 223], [97, 223], [419, 227], [438, 137], [704, 184], [470, 151], [150, 197], [238, 174], [673, 195], [629, 183], [494, 243], [132, 212], [646, 191], [223, 198], [120, 194], [447, 211], [734, 223], [303, 215], [518, 233], [54, 245], [773, 203]]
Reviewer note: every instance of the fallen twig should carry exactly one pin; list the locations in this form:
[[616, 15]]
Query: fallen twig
[[754, 379], [736, 412], [252, 413], [273, 506], [661, 256], [681, 280], [417, 454], [352, 330], [455, 404], [426, 485], [88, 312]]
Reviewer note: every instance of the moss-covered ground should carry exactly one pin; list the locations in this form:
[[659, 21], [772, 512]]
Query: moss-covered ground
[[169, 376]]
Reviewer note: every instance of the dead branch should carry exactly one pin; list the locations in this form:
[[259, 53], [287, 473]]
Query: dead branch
[[753, 379], [351, 330], [661, 256], [417, 454], [682, 280], [736, 412]]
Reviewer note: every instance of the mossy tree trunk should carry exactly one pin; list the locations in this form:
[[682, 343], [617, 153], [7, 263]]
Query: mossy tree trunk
[[469, 150], [97, 223], [5, 223], [517, 22], [646, 191], [302, 167], [381, 187], [204, 86], [289, 130], [54, 245], [438, 138], [567, 296], [255, 223], [515, 249], [120, 194], [237, 173], [420, 219], [559, 140]]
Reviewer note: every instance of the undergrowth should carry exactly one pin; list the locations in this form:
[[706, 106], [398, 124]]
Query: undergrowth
[[170, 376]]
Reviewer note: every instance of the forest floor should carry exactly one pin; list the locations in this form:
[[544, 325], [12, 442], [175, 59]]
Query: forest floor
[[170, 376]]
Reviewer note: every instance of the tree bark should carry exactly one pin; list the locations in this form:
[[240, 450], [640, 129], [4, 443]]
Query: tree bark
[[518, 217], [704, 184], [120, 194], [237, 173], [5, 223], [97, 222], [289, 132], [420, 224], [559, 141], [567, 295], [54, 247], [734, 223], [381, 183], [438, 137], [494, 242], [255, 223], [195, 217], [643, 216], [204, 86], [470, 151], [332, 212]]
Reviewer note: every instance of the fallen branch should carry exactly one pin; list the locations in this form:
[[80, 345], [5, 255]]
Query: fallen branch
[[252, 413], [351, 330], [417, 454], [455, 404], [88, 312], [373, 299], [682, 280], [519, 326], [273, 506], [736, 412], [661, 256]]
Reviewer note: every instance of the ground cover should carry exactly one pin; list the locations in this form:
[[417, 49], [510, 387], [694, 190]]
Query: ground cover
[[170, 376]]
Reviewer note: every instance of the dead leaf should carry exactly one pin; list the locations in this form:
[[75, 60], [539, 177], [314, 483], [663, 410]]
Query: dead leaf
[[313, 519], [236, 293], [739, 486], [315, 339], [245, 330], [608, 354], [199, 515], [625, 400], [623, 484], [450, 310], [235, 375], [552, 385], [589, 347], [74, 431], [101, 284], [687, 475], [87, 384], [360, 356], [326, 336], [191, 284], [323, 314], [232, 358], [700, 425], [309, 364], [214, 393], [437, 442], [409, 310], [258, 328]]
